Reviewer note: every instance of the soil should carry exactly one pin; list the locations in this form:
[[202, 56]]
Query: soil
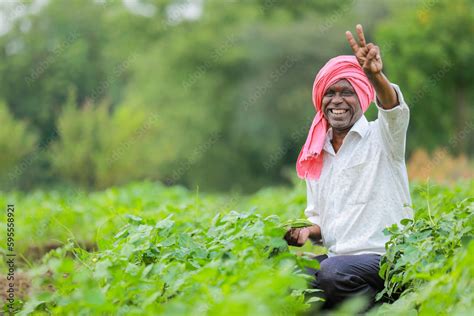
[[36, 252], [22, 286]]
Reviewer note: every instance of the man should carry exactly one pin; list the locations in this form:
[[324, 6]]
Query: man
[[355, 172]]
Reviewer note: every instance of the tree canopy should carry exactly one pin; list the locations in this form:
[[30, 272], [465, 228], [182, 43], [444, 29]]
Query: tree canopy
[[228, 84]]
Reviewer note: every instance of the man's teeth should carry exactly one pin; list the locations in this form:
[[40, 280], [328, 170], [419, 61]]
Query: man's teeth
[[338, 111]]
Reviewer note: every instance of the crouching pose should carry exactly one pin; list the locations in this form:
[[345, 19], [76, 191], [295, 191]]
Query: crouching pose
[[355, 172]]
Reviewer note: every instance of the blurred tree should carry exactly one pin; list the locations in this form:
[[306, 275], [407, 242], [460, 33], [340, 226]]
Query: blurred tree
[[47, 53], [431, 58], [232, 88], [16, 142], [230, 82], [88, 46], [97, 149]]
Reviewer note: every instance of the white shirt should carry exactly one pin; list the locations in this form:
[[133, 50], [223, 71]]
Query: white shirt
[[364, 187]]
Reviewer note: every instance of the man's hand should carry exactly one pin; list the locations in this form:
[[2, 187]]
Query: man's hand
[[298, 236], [368, 55]]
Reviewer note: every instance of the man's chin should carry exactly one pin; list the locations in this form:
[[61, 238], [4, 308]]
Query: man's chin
[[340, 125]]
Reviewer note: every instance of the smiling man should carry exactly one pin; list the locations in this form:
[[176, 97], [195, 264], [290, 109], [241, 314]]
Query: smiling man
[[355, 172]]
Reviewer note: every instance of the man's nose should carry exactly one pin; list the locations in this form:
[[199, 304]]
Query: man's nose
[[336, 99]]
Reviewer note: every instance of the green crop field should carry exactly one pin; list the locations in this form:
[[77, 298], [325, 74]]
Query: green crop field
[[149, 152], [150, 249]]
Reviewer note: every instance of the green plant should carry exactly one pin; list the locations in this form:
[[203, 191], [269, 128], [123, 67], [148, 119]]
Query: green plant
[[166, 250], [16, 142], [425, 250], [174, 267], [97, 148]]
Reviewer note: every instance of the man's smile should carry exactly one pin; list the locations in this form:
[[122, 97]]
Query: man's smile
[[339, 113]]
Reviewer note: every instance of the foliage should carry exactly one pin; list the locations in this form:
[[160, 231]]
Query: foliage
[[44, 55], [97, 148], [234, 97], [178, 268], [235, 93], [226, 81], [229, 263], [434, 71], [448, 293], [165, 250], [16, 142], [425, 257]]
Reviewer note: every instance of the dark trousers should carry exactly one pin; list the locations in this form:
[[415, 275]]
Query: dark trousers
[[342, 277]]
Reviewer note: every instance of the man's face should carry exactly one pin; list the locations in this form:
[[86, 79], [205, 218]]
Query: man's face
[[341, 105]]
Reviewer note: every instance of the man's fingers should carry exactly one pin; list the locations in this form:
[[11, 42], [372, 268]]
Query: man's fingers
[[377, 53], [294, 234], [367, 62], [352, 42], [289, 234], [289, 238], [372, 53], [373, 56], [303, 236], [296, 237], [360, 33]]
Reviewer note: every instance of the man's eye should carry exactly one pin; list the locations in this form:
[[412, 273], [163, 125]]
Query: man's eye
[[347, 93]]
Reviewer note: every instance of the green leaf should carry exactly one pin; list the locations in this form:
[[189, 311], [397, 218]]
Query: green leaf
[[134, 218]]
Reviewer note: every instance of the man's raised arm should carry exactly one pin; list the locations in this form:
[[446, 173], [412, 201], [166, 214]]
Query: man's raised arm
[[370, 60]]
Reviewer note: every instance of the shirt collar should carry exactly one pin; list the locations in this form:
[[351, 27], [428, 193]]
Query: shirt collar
[[360, 127], [327, 142]]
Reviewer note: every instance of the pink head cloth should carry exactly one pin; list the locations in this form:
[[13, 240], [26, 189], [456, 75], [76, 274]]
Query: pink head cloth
[[310, 159]]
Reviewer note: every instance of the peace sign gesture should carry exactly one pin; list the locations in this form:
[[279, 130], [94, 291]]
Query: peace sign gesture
[[368, 55]]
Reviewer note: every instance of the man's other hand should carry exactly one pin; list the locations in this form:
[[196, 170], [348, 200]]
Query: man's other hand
[[297, 236]]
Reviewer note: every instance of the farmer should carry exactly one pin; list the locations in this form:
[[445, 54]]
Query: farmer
[[355, 172]]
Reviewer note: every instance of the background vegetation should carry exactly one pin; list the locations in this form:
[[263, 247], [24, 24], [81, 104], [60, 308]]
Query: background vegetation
[[212, 93]]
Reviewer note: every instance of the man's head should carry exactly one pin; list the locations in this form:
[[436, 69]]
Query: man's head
[[341, 106], [356, 99]]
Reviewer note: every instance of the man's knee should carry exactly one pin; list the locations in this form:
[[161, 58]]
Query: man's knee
[[328, 275], [336, 275]]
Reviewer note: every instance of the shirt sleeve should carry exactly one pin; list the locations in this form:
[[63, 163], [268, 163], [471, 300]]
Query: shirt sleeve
[[393, 125], [310, 211]]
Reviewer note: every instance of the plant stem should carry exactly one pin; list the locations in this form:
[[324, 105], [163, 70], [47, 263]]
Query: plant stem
[[428, 202]]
